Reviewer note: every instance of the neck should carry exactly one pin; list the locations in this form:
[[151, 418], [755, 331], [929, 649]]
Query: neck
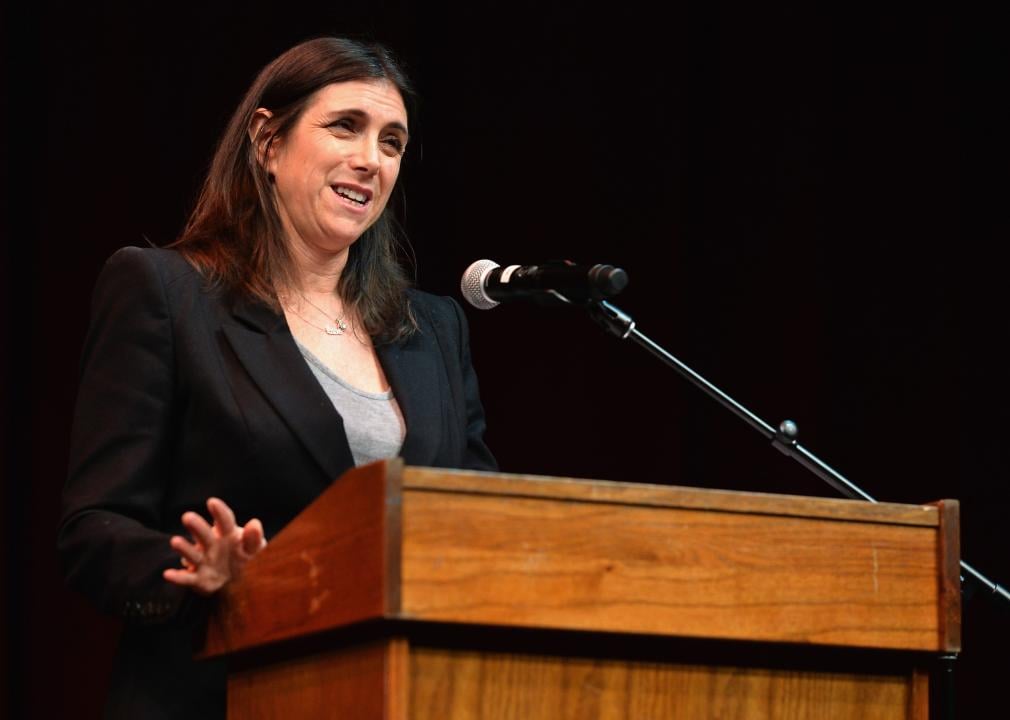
[[317, 271]]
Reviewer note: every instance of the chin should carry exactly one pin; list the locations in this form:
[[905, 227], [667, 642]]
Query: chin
[[338, 240]]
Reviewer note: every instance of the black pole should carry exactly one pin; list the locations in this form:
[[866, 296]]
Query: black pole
[[942, 694], [620, 324]]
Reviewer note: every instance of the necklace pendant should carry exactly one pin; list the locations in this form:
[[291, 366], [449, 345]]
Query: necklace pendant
[[334, 330]]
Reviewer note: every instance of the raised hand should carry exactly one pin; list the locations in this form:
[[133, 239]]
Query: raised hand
[[218, 552]]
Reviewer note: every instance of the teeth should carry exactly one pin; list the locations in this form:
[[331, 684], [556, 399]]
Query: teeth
[[351, 195]]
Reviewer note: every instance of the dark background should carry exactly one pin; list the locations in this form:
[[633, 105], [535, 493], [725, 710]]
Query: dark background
[[811, 206]]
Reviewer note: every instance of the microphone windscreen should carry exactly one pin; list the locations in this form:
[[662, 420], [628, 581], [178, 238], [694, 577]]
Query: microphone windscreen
[[471, 285]]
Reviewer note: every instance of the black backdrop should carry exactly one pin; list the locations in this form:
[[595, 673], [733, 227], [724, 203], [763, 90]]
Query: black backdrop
[[811, 206]]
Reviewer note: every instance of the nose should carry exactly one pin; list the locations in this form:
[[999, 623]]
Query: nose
[[365, 157]]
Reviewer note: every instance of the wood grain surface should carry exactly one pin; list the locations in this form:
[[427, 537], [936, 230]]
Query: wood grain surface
[[949, 547], [336, 564], [571, 563], [453, 685], [632, 493], [422, 563], [364, 682]]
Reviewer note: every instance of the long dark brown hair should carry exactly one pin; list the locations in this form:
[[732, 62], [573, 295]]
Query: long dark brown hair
[[234, 236]]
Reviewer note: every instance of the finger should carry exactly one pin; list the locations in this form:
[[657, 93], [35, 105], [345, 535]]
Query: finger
[[224, 518], [253, 539], [181, 577], [203, 532], [194, 581], [190, 553]]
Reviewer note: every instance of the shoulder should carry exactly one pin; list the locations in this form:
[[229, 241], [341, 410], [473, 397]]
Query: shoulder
[[440, 312], [146, 281], [440, 307], [167, 266]]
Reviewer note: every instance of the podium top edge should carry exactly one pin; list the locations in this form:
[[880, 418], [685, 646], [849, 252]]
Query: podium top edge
[[415, 478]]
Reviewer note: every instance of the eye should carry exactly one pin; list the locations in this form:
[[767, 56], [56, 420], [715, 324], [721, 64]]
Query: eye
[[344, 124], [394, 143]]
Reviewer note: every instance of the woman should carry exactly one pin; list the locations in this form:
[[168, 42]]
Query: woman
[[233, 376]]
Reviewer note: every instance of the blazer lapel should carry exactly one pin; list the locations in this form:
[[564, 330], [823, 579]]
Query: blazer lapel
[[412, 372], [264, 345]]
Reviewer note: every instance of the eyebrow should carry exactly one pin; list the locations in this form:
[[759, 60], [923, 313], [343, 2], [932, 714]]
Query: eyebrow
[[362, 114]]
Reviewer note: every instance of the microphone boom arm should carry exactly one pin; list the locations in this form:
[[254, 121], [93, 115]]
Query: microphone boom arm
[[620, 324]]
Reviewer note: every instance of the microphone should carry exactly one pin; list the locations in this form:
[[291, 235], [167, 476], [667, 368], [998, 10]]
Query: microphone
[[485, 283]]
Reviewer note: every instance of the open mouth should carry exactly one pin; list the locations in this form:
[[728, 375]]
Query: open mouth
[[356, 197]]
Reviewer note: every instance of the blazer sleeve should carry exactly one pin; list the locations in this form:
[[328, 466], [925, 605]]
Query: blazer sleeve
[[477, 455], [110, 540]]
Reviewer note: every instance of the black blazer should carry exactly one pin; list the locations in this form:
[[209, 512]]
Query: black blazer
[[186, 395]]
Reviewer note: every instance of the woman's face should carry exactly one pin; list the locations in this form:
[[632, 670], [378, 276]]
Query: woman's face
[[335, 168]]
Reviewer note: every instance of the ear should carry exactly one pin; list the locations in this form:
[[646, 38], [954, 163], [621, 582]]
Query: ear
[[261, 137]]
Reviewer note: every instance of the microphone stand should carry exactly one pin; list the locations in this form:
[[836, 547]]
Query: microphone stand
[[619, 324]]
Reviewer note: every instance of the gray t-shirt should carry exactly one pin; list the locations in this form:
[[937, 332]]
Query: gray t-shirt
[[372, 421]]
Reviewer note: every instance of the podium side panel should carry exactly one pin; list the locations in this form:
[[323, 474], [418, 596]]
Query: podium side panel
[[338, 563], [949, 548]]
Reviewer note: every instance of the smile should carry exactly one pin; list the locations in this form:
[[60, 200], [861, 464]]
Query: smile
[[354, 196]]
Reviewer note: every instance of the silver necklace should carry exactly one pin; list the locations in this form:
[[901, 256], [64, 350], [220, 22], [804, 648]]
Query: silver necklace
[[338, 327], [329, 329]]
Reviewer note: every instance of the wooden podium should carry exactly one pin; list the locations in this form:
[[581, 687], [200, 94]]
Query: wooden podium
[[407, 592]]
